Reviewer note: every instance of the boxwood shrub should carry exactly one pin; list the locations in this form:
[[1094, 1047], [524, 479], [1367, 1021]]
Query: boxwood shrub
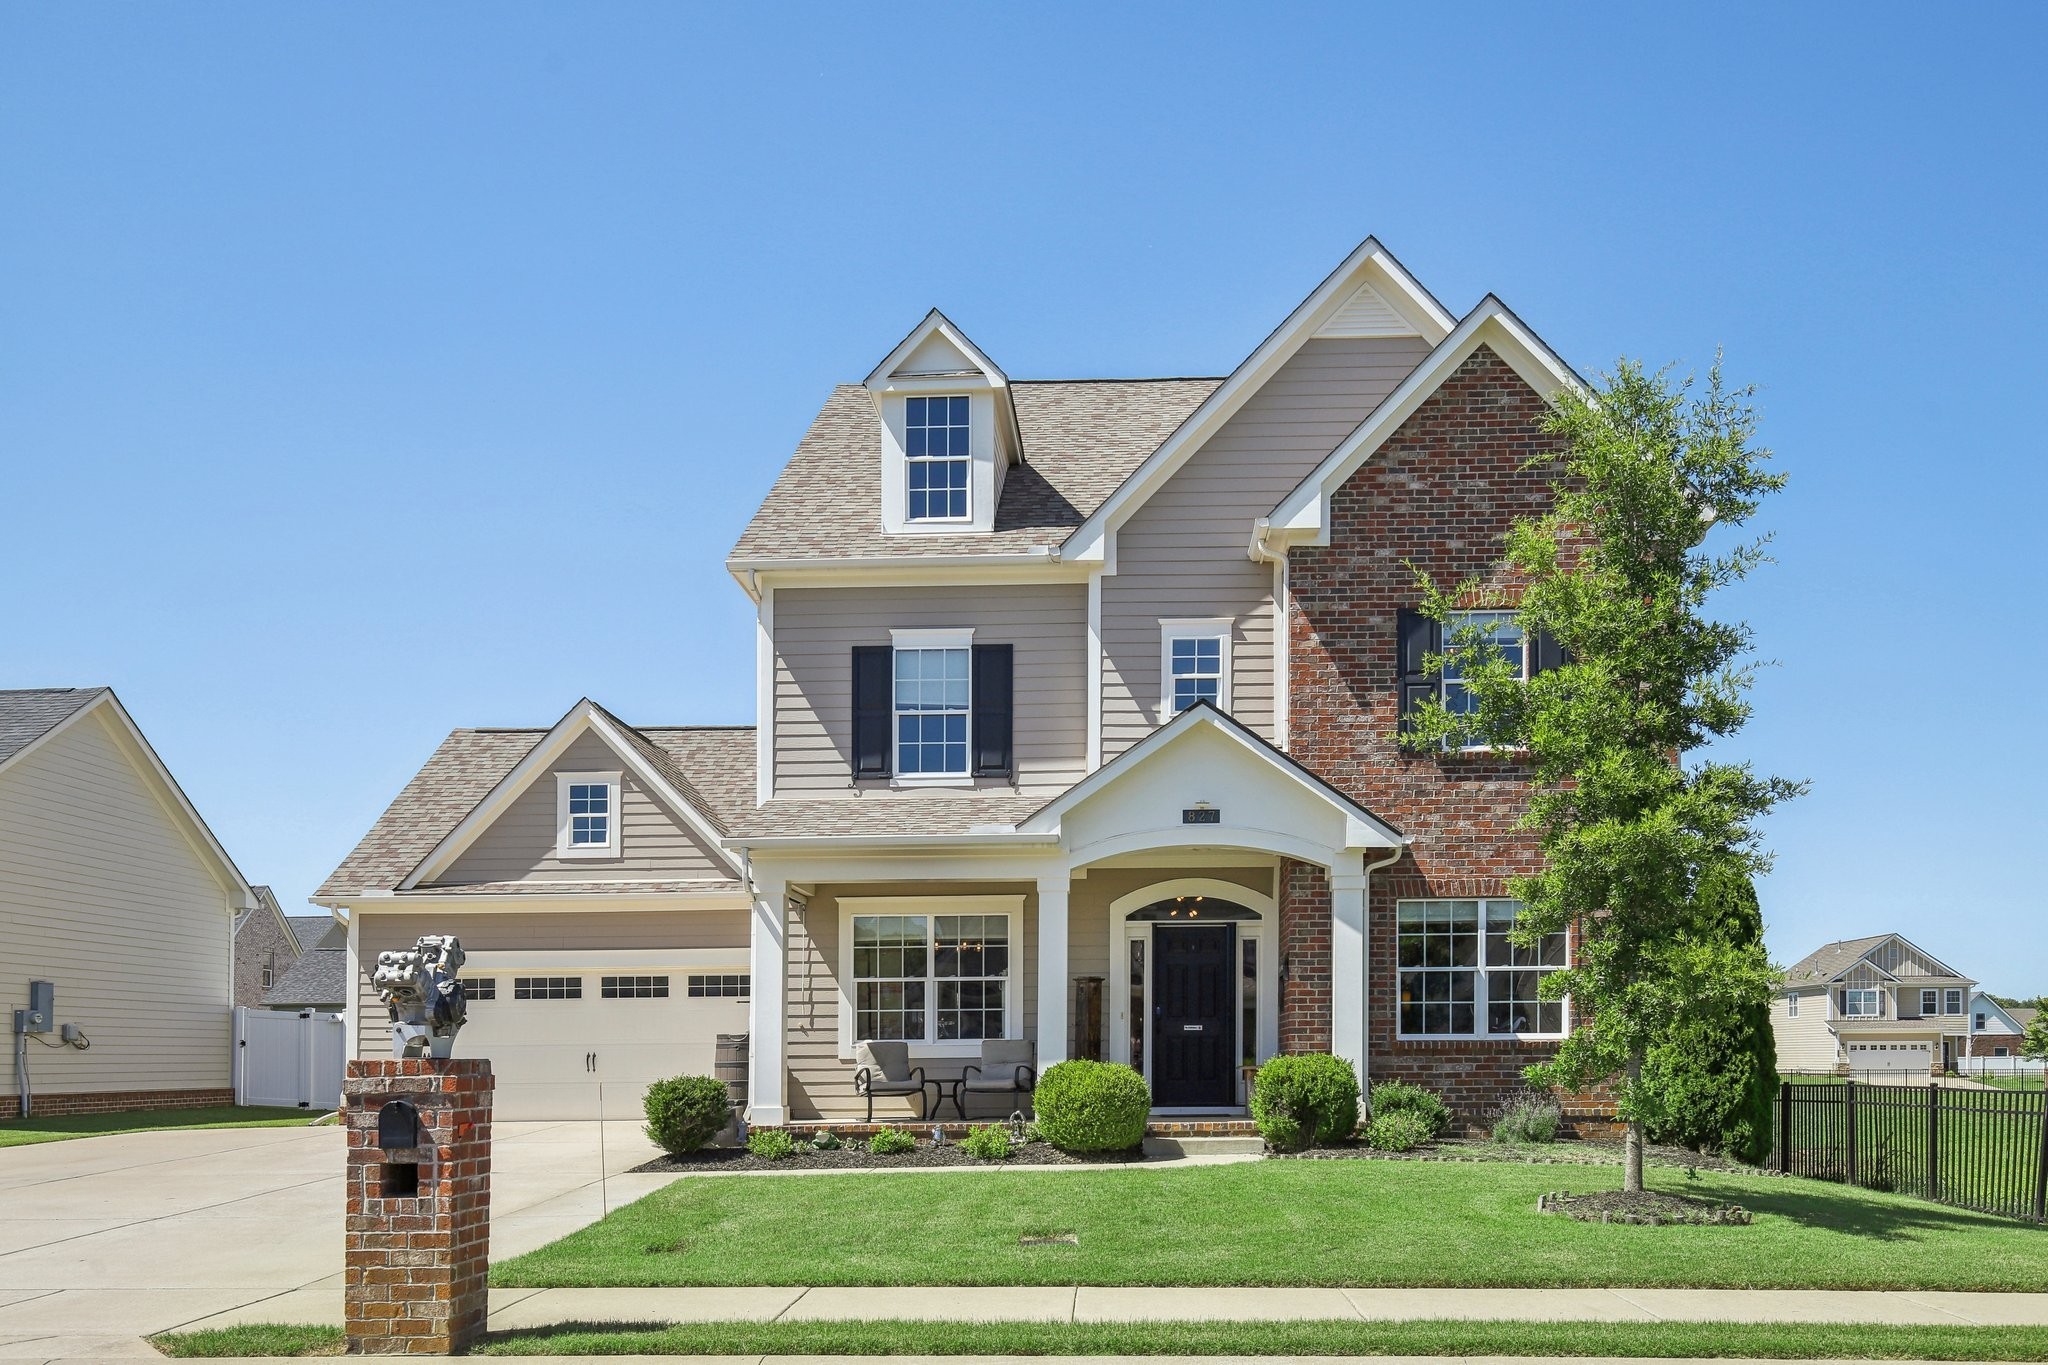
[[685, 1112], [1397, 1130], [1092, 1106], [771, 1144], [888, 1141], [1306, 1100], [1406, 1097]]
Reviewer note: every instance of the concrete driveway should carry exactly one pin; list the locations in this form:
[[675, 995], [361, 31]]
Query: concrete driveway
[[105, 1239]]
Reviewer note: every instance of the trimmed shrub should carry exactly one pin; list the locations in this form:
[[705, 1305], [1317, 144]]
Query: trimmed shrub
[[1405, 1097], [771, 1144], [989, 1143], [1306, 1100], [685, 1112], [891, 1142], [1092, 1106], [1397, 1130], [1534, 1117]]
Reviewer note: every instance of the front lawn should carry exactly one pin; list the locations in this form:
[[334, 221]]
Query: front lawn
[[20, 1132], [1389, 1223]]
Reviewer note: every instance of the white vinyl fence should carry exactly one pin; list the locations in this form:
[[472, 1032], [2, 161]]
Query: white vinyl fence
[[290, 1060]]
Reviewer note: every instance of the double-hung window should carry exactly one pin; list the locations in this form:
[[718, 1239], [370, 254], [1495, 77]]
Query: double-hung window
[[932, 698], [1952, 1002], [586, 815], [931, 978], [1196, 664], [1462, 977], [1861, 1002], [935, 449], [1465, 629], [1929, 1002]]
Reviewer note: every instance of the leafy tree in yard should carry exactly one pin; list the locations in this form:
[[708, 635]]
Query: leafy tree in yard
[[2034, 1042], [1717, 1081], [1631, 816]]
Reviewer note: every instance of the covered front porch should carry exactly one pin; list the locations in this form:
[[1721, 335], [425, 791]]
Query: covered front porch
[[1190, 909]]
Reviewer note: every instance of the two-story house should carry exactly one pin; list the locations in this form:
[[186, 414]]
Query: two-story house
[[1077, 722], [1872, 1005]]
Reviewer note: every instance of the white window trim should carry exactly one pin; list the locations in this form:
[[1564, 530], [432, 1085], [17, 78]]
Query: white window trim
[[1876, 999], [967, 517], [1479, 1000], [950, 637], [1020, 963], [1443, 684], [611, 847], [1926, 1009], [1193, 628], [1791, 1004]]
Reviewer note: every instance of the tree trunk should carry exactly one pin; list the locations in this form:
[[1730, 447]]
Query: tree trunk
[[1632, 1141]]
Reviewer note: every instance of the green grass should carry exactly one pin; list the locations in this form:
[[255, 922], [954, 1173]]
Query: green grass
[[1753, 1341], [2019, 1082], [252, 1339], [1387, 1223], [20, 1132]]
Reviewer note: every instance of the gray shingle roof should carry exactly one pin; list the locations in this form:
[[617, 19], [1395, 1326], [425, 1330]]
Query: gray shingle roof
[[318, 977], [714, 765], [309, 929], [29, 713], [1082, 437], [1830, 960]]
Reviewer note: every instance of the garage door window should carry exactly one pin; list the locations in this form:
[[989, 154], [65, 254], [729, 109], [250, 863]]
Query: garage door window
[[633, 987], [722, 986], [547, 988], [480, 988]]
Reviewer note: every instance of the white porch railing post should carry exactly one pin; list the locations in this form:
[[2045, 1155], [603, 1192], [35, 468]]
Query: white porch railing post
[[767, 1008], [1348, 885], [1052, 970]]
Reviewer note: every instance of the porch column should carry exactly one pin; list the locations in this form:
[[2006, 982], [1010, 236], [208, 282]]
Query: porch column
[[767, 1006], [1348, 885], [1052, 970]]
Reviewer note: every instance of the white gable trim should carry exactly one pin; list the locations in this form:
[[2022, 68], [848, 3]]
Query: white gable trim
[[1914, 948], [935, 323], [1094, 538], [1367, 313], [583, 716], [1303, 515], [169, 794], [1363, 829]]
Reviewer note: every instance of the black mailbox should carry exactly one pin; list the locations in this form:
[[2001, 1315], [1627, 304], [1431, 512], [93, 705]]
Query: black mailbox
[[398, 1125]]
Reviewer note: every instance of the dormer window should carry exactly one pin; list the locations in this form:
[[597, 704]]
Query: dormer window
[[586, 815], [936, 451]]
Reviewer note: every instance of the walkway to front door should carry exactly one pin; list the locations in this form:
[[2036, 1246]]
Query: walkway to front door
[[1194, 1016]]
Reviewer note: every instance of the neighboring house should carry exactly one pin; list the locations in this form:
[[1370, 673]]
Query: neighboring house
[[1995, 1029], [266, 943], [113, 889], [1872, 1004], [1077, 713], [318, 978]]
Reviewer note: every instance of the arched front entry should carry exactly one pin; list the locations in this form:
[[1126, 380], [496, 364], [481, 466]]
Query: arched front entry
[[1193, 993]]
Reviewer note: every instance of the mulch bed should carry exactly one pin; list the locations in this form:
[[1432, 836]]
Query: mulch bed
[[854, 1156], [1643, 1206], [1563, 1153]]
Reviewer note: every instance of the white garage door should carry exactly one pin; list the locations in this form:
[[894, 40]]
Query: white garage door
[[1909, 1058], [573, 1042]]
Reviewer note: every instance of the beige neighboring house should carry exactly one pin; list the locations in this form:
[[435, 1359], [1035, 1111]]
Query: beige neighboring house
[[1877, 1004], [113, 889]]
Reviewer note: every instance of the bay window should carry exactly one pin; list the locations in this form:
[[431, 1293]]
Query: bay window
[[1462, 977]]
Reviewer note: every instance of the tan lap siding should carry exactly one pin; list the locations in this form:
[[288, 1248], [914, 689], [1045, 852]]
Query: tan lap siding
[[102, 893], [821, 1081], [572, 932], [1184, 553], [1805, 1042], [520, 844], [817, 628]]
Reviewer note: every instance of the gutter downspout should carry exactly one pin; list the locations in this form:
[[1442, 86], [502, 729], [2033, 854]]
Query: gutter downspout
[[1365, 1080]]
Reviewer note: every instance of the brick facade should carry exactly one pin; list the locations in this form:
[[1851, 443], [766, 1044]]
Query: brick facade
[[416, 1262], [261, 945], [1304, 957], [1440, 495], [113, 1102]]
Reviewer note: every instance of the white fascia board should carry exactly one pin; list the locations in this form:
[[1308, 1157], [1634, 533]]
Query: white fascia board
[[1363, 829], [1302, 517], [1370, 263], [835, 843], [584, 715], [934, 322], [183, 812]]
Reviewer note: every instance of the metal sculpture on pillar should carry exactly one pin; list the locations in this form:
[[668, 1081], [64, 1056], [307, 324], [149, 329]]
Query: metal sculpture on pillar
[[427, 1003]]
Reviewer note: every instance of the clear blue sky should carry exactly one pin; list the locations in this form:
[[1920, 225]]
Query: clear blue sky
[[368, 371]]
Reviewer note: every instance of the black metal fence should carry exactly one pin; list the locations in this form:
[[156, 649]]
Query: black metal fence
[[1977, 1149]]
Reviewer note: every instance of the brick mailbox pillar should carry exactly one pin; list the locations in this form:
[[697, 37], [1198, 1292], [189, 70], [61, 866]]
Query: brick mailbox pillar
[[418, 1227]]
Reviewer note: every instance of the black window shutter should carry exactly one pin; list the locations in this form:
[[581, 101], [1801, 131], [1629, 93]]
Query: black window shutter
[[1547, 654], [992, 710], [873, 676], [1418, 636]]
